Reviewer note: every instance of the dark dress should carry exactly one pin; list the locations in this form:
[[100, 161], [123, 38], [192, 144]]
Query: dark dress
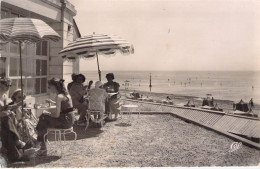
[[64, 121], [10, 138], [112, 104]]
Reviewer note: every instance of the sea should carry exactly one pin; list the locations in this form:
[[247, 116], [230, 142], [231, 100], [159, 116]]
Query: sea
[[224, 85]]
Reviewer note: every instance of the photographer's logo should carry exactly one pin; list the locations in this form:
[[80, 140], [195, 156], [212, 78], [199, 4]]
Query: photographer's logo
[[235, 146]]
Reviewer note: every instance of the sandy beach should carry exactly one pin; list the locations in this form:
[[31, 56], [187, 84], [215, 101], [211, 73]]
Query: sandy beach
[[226, 105], [148, 141]]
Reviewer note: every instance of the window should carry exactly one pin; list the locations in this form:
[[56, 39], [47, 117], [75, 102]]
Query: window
[[30, 67], [2, 66], [42, 48], [24, 66], [30, 90], [38, 86], [41, 67], [35, 70], [38, 48], [14, 48], [14, 66], [38, 67], [44, 67], [43, 85]]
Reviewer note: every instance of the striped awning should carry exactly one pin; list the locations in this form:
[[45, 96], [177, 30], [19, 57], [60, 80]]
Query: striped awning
[[26, 30], [89, 46]]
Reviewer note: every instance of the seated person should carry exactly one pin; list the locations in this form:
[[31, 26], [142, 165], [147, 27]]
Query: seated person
[[73, 80], [112, 104], [62, 118], [78, 94], [97, 97], [12, 146], [26, 125]]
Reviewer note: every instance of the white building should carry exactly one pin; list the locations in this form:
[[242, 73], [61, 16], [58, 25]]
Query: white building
[[40, 61]]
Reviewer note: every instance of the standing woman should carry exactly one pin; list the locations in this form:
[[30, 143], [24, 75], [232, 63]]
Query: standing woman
[[62, 118], [112, 103]]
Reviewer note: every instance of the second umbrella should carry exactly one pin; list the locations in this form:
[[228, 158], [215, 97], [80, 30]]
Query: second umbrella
[[93, 45]]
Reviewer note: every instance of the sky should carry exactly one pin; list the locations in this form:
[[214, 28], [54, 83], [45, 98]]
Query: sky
[[188, 35]]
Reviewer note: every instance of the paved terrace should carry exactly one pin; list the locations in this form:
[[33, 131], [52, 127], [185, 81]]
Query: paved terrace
[[149, 141]]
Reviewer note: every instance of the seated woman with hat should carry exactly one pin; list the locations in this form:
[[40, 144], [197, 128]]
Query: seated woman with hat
[[26, 125]]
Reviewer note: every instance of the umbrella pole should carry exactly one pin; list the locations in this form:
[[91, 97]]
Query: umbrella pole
[[99, 72], [21, 70]]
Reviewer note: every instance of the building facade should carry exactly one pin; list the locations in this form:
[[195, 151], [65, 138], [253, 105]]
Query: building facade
[[40, 61]]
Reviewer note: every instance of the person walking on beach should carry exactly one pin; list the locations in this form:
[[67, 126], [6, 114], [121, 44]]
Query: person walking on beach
[[112, 103]]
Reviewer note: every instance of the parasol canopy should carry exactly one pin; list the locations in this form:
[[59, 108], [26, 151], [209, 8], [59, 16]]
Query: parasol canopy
[[25, 30], [93, 45]]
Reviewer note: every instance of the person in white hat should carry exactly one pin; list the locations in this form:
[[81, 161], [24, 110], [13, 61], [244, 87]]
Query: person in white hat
[[26, 124]]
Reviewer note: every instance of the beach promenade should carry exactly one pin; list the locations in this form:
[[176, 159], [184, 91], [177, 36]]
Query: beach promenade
[[149, 141]]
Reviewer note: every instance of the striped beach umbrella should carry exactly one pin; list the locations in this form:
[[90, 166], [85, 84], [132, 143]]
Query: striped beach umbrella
[[25, 30], [93, 45], [28, 30]]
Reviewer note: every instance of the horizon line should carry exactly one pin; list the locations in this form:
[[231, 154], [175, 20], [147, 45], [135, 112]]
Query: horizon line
[[178, 70]]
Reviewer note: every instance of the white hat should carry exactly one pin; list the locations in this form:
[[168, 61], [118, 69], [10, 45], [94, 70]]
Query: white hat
[[98, 84]]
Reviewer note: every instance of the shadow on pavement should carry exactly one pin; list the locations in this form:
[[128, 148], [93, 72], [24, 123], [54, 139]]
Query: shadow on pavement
[[123, 124], [33, 162]]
